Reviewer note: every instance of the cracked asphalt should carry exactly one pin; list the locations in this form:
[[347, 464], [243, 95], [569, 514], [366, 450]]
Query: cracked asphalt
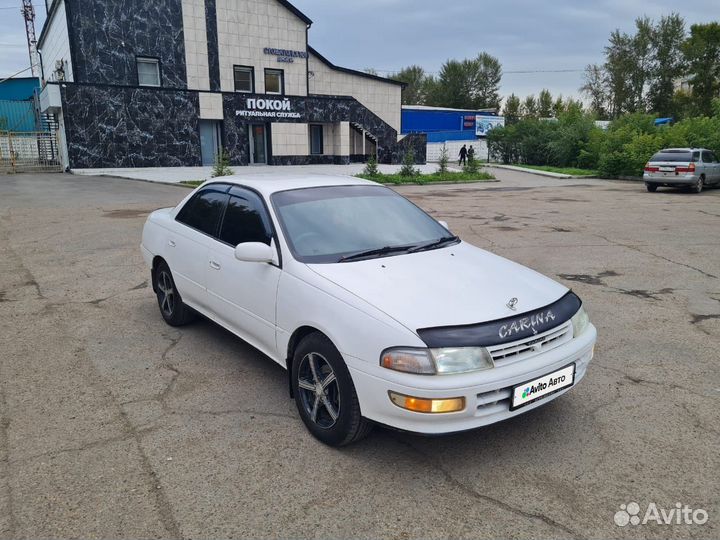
[[113, 424]]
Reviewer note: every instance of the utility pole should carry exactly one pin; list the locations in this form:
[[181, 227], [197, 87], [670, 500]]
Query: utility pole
[[28, 13]]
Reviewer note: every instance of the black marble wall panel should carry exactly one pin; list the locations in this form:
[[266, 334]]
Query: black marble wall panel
[[212, 44], [108, 35], [320, 109], [113, 127], [417, 142]]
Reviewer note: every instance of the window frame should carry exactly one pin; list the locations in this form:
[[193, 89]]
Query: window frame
[[240, 192], [148, 60], [221, 188], [322, 139], [281, 72], [251, 70]]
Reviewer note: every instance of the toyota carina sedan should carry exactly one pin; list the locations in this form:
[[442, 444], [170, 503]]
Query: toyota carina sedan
[[377, 311]]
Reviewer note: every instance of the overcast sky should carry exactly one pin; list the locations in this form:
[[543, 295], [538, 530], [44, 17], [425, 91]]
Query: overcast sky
[[526, 35]]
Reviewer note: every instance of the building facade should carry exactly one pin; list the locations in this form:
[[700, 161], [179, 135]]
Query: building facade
[[170, 82]]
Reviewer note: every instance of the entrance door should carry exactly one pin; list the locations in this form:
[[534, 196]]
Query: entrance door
[[258, 144], [209, 141]]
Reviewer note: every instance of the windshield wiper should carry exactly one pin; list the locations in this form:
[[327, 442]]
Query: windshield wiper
[[435, 244], [376, 252]]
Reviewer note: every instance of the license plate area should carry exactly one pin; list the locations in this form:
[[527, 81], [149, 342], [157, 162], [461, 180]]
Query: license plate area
[[542, 387], [667, 169]]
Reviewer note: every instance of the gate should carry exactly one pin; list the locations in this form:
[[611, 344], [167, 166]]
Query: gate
[[29, 151]]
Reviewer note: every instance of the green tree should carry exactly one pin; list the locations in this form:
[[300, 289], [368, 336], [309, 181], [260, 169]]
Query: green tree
[[619, 69], [545, 104], [467, 84], [511, 111], [702, 52], [558, 106], [416, 80], [667, 63], [596, 89], [530, 107]]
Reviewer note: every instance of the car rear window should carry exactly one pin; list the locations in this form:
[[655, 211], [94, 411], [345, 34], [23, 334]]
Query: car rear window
[[673, 156]]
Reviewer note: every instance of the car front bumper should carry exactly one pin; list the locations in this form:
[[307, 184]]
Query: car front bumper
[[487, 393]]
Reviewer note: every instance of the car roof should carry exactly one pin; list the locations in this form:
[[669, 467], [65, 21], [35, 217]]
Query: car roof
[[681, 150], [275, 182]]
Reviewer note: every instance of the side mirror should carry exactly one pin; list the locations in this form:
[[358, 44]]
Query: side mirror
[[444, 224], [255, 252]]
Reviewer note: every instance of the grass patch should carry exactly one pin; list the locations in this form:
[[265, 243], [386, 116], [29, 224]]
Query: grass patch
[[562, 170], [192, 183], [398, 179]]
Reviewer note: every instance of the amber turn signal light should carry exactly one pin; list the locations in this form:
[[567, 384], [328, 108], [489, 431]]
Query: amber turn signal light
[[424, 405]]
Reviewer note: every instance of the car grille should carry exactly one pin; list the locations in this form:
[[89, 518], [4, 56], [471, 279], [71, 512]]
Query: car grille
[[525, 348]]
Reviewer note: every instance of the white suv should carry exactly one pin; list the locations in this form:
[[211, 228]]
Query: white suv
[[691, 168]]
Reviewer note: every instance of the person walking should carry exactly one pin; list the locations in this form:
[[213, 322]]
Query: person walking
[[471, 152], [463, 155]]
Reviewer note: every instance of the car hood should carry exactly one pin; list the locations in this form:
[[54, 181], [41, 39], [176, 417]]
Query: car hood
[[456, 285]]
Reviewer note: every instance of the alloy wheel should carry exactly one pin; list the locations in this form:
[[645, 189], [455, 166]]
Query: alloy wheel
[[166, 293], [319, 390]]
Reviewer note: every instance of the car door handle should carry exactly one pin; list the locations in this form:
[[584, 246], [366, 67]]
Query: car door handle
[[214, 265], [171, 243]]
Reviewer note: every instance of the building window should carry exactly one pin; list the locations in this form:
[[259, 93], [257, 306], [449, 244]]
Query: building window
[[244, 79], [148, 71], [316, 140], [274, 83]]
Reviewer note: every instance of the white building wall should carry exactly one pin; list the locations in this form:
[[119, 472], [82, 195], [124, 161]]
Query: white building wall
[[56, 45], [453, 148], [196, 52], [246, 27], [289, 139], [384, 99]]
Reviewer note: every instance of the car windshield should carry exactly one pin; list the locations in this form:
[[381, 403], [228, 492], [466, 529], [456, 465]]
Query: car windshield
[[347, 223], [673, 156]]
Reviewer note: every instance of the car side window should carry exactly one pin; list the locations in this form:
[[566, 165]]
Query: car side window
[[204, 210], [696, 157], [709, 157], [246, 219]]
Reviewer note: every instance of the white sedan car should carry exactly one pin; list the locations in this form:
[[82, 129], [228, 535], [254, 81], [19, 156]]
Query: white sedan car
[[378, 312]]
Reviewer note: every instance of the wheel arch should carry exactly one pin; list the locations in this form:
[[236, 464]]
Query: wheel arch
[[297, 336], [155, 262]]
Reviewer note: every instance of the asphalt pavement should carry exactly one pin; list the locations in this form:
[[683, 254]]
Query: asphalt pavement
[[113, 424]]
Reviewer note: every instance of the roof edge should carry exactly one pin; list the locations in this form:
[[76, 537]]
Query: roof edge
[[296, 11], [354, 71]]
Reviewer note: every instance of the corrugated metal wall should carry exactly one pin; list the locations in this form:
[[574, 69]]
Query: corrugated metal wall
[[18, 116]]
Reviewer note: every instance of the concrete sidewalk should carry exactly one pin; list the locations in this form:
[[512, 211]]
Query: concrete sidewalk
[[174, 175]]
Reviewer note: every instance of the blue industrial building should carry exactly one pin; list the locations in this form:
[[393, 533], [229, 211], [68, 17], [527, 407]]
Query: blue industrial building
[[17, 104], [442, 124]]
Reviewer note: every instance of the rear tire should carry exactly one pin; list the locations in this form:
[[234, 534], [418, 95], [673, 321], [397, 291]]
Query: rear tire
[[172, 308], [325, 394], [652, 188], [697, 187]]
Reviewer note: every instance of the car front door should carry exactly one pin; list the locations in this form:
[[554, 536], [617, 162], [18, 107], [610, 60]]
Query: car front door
[[194, 230], [712, 163], [242, 295]]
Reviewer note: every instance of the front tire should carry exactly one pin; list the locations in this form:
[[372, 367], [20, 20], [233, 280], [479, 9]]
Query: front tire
[[652, 188], [172, 308], [325, 394]]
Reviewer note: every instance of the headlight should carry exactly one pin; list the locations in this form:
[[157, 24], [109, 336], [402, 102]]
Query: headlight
[[445, 361], [461, 359], [580, 322]]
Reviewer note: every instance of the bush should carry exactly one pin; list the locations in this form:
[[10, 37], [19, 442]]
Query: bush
[[472, 166], [371, 167], [408, 168], [444, 160], [222, 165]]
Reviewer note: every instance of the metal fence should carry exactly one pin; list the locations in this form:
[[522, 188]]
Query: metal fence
[[29, 151]]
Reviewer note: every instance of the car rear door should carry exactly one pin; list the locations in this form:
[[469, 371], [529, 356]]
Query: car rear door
[[712, 166], [242, 295], [196, 226]]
